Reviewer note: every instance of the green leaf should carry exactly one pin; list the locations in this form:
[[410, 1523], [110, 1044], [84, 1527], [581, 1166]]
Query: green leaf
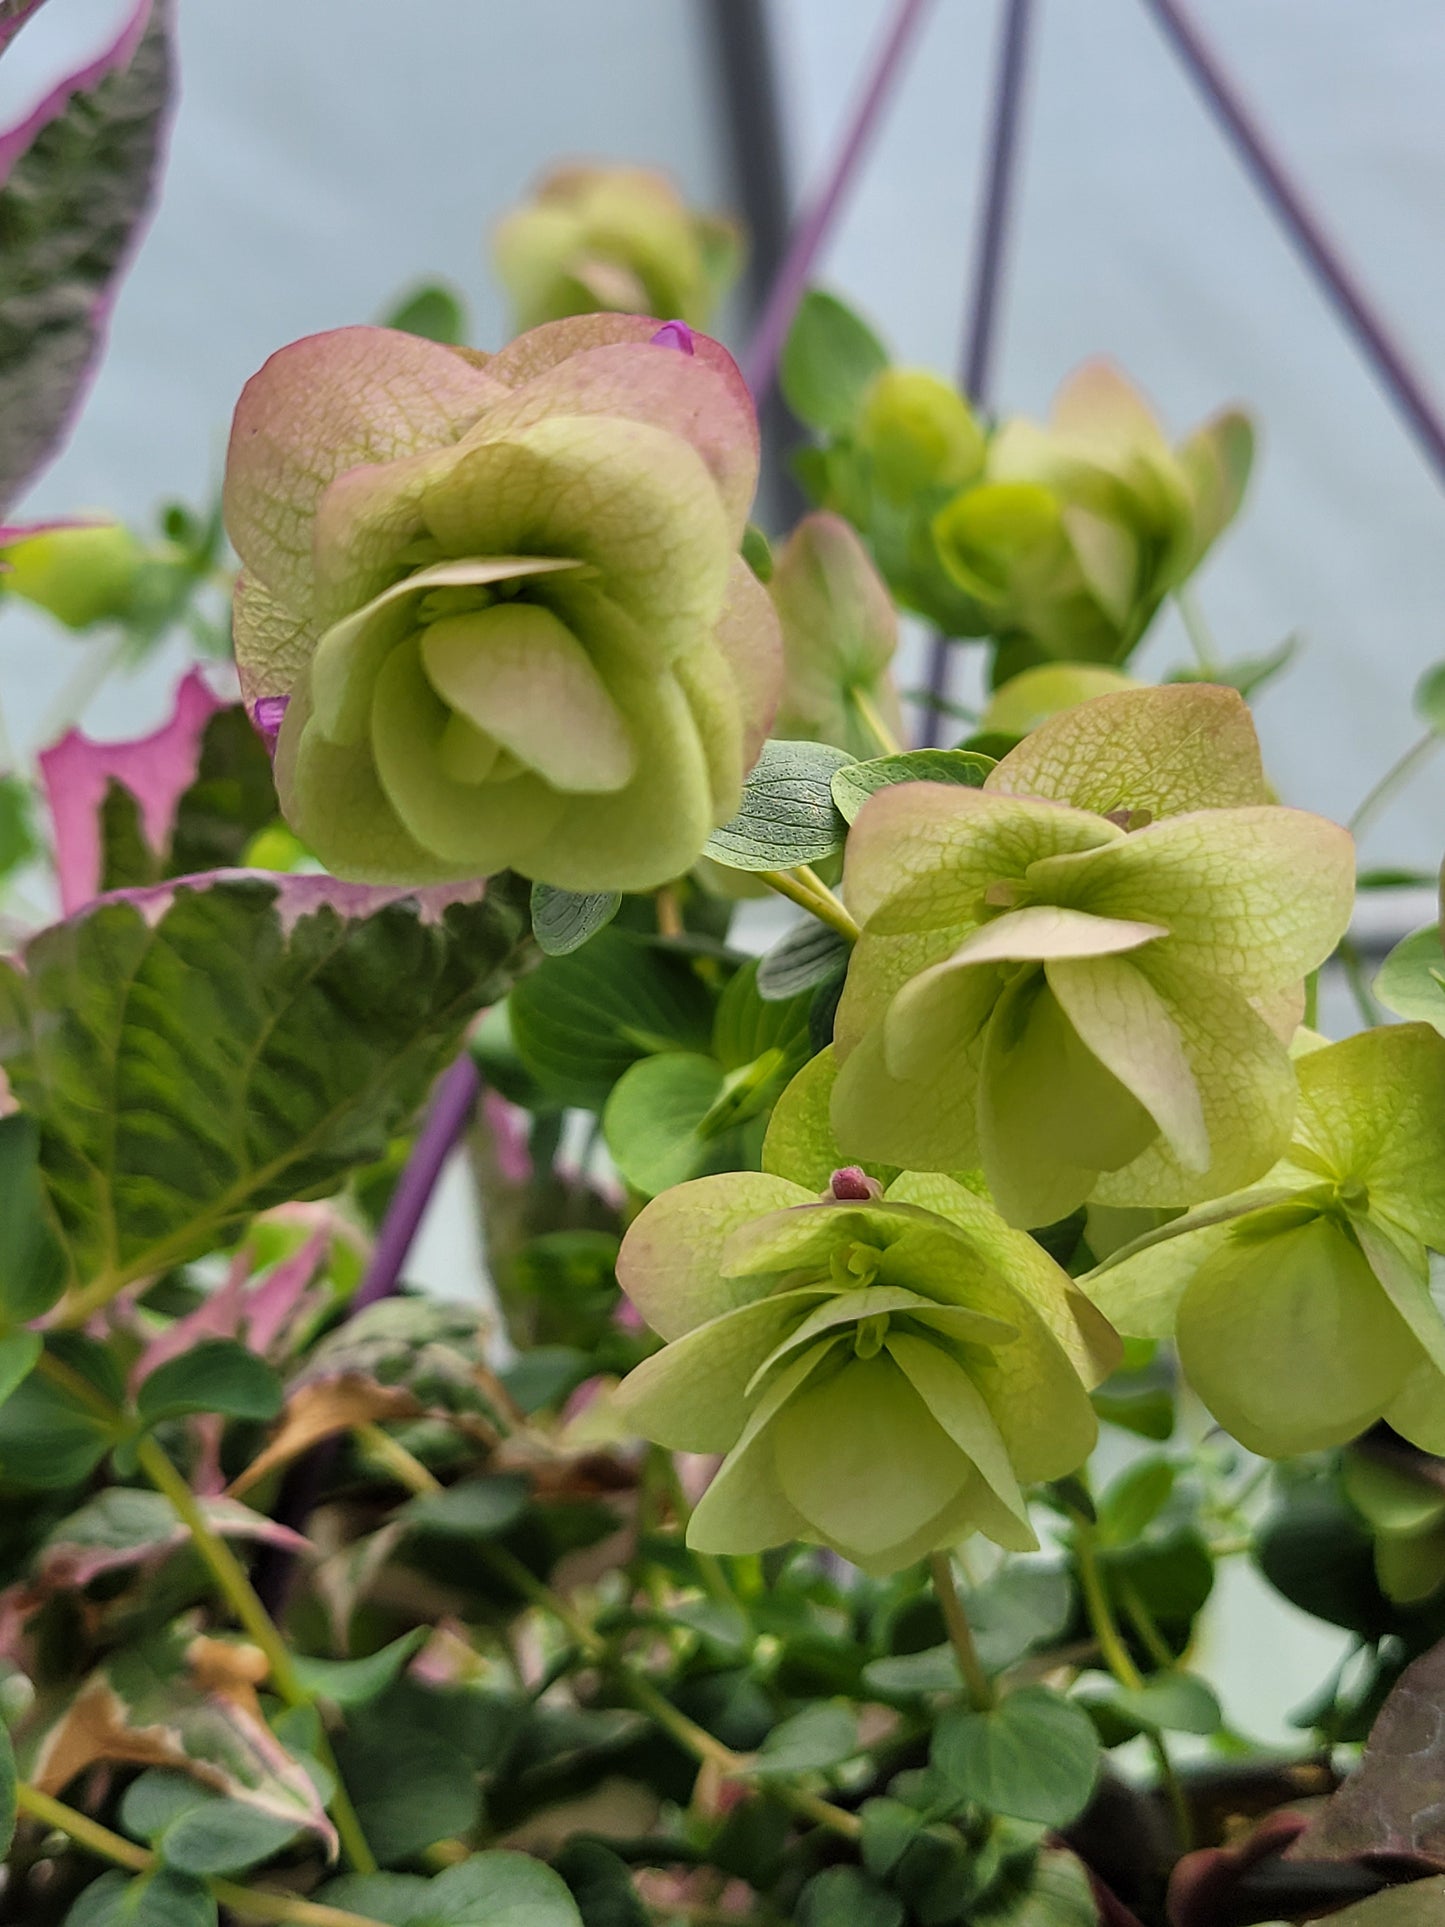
[[1411, 980], [49, 1437], [231, 799], [1170, 1703], [70, 208], [601, 1885], [218, 1375], [163, 1899], [399, 1899], [1428, 701], [1134, 1499], [7, 1790], [1034, 1756], [32, 1262], [846, 1897], [828, 361], [18, 841], [1025, 1605], [653, 1121], [820, 1737], [749, 1026], [805, 958], [788, 814], [211, 1051], [352, 1682], [1419, 1903], [563, 920], [499, 1889], [901, 1675], [578, 1022], [856, 782], [197, 1830], [18, 1353], [433, 311], [410, 1789], [474, 1509]]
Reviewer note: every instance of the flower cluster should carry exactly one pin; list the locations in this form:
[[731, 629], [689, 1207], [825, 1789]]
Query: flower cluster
[[1082, 977], [503, 600], [884, 1368], [594, 239]]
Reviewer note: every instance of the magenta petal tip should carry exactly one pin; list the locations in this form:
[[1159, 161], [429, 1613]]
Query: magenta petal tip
[[675, 334]]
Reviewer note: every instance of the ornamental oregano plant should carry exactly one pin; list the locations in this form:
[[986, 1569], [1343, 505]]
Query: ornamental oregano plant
[[809, 1512]]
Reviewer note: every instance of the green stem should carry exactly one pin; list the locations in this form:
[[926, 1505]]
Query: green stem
[[960, 1633], [1353, 966], [692, 1738], [805, 888], [1195, 627], [1117, 1658], [888, 743], [1394, 779], [252, 1902], [231, 1576]]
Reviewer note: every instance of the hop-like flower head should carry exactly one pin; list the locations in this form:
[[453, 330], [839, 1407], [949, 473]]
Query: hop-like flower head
[[1079, 977], [1076, 532], [504, 600], [1302, 1305], [620, 238], [840, 631], [884, 1368]]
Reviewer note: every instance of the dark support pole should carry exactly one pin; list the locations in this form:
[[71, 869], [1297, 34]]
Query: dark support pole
[[815, 224], [1350, 299], [758, 163], [978, 350]]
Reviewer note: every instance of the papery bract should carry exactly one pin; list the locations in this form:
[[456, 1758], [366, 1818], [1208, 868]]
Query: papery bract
[[1302, 1305], [620, 238], [884, 1371], [840, 632], [1079, 976], [1075, 533], [504, 600]]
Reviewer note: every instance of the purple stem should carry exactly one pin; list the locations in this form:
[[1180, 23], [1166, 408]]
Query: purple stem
[[1323, 258], [450, 1113], [760, 364], [987, 276]]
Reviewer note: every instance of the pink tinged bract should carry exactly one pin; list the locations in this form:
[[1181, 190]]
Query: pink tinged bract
[[156, 769]]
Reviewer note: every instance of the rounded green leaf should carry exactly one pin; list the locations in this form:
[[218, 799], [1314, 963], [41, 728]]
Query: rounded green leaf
[[1034, 1756], [829, 359], [788, 815], [218, 1375], [653, 1122]]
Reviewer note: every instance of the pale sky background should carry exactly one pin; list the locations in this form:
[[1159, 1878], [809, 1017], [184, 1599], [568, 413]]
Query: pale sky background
[[328, 153]]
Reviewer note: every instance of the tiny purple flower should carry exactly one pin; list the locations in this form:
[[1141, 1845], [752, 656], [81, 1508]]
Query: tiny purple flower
[[675, 334], [266, 714], [852, 1186]]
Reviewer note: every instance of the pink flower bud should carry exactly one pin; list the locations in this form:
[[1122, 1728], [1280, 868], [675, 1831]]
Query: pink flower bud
[[674, 334], [853, 1186]]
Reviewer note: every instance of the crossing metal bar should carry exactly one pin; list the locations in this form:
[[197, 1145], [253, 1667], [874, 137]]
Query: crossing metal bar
[[988, 265]]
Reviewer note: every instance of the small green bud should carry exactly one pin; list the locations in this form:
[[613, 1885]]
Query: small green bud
[[81, 575], [920, 432]]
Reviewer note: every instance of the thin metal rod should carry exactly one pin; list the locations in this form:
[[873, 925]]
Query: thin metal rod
[[450, 1113], [999, 190], [760, 363], [1348, 294], [988, 266], [746, 68]]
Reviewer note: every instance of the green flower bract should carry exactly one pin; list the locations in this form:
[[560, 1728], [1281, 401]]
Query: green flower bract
[[504, 600]]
